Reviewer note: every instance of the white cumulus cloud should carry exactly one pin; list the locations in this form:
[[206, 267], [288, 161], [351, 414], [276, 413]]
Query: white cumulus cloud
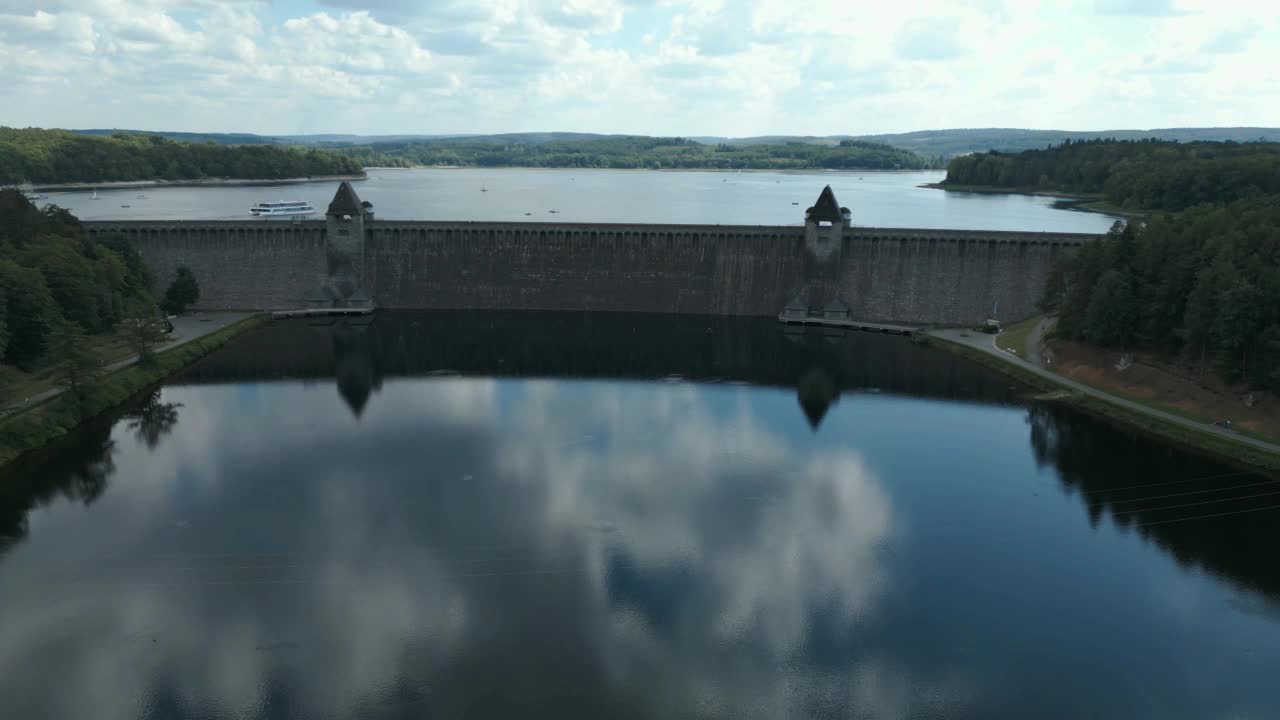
[[703, 67]]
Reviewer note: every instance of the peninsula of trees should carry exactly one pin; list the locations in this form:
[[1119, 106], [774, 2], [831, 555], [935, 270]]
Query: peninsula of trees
[[60, 156], [1138, 175]]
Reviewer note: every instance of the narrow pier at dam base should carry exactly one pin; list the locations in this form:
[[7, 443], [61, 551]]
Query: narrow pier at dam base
[[845, 324]]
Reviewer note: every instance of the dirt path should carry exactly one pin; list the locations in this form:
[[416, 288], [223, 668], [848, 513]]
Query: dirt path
[[986, 343]]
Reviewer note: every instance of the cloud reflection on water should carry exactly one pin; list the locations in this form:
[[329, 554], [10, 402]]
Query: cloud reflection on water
[[463, 543]]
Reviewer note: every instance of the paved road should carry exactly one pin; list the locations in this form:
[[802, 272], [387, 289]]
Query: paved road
[[185, 329], [986, 343]]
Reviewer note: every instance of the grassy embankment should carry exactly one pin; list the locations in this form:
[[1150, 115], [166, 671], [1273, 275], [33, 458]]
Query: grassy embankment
[[110, 348], [57, 416], [1014, 337], [1205, 442], [1014, 340]]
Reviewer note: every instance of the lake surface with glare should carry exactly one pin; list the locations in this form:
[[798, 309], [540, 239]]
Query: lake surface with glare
[[878, 199], [537, 515]]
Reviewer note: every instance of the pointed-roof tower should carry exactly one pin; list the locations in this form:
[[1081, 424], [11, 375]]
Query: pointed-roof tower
[[345, 201], [827, 209]]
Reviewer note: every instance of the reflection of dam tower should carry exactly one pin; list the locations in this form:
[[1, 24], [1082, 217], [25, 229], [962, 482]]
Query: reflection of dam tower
[[817, 392], [353, 365], [345, 238]]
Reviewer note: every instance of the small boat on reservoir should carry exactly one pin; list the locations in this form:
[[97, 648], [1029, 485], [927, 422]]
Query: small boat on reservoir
[[283, 208], [29, 190]]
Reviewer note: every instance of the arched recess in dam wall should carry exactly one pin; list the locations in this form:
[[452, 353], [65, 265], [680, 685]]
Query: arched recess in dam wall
[[883, 274]]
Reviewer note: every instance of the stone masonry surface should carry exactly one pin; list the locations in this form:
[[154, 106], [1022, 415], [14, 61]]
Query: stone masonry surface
[[938, 277]]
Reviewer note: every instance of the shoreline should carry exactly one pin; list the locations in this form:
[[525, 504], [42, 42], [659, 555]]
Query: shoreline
[[1132, 415], [208, 182], [1064, 200], [797, 171], [994, 190], [34, 426]]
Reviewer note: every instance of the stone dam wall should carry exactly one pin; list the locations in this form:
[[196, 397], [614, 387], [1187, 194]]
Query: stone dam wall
[[943, 277]]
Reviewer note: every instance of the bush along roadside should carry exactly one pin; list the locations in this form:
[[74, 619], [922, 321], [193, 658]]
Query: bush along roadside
[[1211, 445], [37, 425]]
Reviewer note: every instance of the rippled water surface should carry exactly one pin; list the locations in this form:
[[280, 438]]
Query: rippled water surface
[[885, 199], [470, 515]]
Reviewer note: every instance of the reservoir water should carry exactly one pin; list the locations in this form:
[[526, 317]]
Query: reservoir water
[[502, 515], [880, 199]]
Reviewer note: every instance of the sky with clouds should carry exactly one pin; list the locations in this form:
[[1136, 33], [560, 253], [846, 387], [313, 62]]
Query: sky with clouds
[[657, 67]]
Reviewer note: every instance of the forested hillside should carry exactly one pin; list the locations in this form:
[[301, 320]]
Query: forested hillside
[[638, 152], [55, 281], [1204, 281], [1142, 175], [56, 156], [950, 143]]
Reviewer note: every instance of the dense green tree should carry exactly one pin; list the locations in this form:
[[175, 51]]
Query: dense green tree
[[72, 279], [1139, 175], [1204, 305], [144, 329], [50, 273], [1238, 326], [30, 313], [76, 364], [183, 292], [1264, 365], [1111, 316], [138, 280], [1205, 281], [54, 156]]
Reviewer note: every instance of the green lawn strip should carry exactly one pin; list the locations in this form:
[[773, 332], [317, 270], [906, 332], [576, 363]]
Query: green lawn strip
[[1220, 448], [1021, 374], [1014, 337], [1206, 442], [38, 424], [109, 348]]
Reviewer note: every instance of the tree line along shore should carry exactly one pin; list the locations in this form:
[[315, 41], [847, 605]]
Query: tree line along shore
[[1193, 276], [49, 157], [69, 305]]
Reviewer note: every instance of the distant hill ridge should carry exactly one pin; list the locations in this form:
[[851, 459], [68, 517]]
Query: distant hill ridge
[[927, 143]]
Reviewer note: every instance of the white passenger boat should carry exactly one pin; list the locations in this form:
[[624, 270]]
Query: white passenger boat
[[283, 208]]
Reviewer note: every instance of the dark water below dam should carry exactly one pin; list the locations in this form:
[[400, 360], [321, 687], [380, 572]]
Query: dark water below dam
[[501, 515]]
